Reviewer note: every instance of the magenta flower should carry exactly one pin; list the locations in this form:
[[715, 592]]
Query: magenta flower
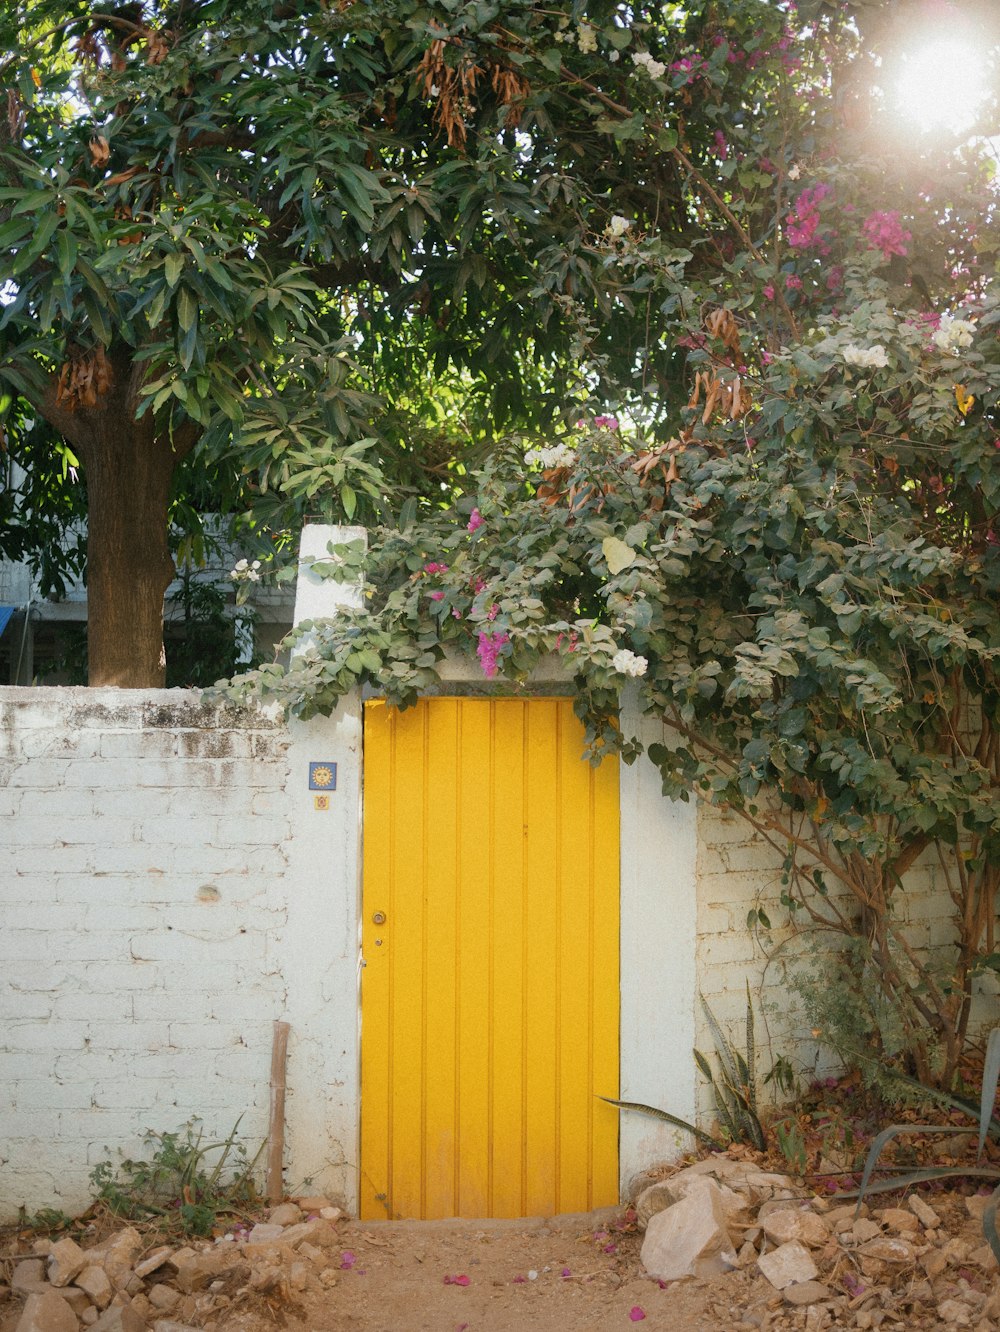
[[433, 567], [348, 1259], [456, 1281], [721, 145], [793, 282], [606, 422], [769, 291], [437, 596], [476, 521], [885, 232], [636, 1315], [490, 647]]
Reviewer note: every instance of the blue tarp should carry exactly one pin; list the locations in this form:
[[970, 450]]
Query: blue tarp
[[5, 613]]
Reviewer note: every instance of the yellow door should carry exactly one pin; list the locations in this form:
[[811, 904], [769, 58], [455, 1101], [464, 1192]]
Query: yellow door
[[489, 1012]]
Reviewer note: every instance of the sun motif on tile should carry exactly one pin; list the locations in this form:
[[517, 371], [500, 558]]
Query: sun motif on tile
[[322, 776]]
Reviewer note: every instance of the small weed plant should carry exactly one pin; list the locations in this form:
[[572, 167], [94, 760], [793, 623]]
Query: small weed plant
[[183, 1183]]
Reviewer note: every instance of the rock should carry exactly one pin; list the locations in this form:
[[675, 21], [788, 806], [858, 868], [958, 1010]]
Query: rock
[[90, 1316], [29, 1273], [734, 1204], [298, 1276], [884, 1250], [983, 1257], [934, 1263], [331, 1213], [976, 1205], [657, 1198], [923, 1211], [313, 1204], [863, 1230], [118, 1255], [264, 1233], [328, 1277], [318, 1232], [690, 1238], [164, 1298], [47, 1313], [42, 1247], [165, 1325], [899, 1219], [197, 1271], [285, 1214], [141, 1306], [119, 1318], [953, 1313], [806, 1292], [66, 1259], [94, 1282], [316, 1256], [788, 1265], [153, 1260], [796, 1223], [76, 1299]]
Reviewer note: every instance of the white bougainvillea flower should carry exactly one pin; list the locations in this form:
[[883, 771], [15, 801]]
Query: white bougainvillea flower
[[629, 663]]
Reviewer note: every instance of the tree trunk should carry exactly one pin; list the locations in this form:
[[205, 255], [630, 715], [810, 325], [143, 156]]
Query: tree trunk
[[128, 467], [129, 567]]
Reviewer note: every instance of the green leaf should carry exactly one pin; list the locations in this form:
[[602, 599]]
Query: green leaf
[[173, 267], [617, 554]]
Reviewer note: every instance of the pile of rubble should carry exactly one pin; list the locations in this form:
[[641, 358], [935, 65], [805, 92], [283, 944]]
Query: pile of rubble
[[127, 1284], [829, 1265]]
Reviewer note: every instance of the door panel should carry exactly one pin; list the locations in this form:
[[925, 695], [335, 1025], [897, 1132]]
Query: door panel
[[490, 990]]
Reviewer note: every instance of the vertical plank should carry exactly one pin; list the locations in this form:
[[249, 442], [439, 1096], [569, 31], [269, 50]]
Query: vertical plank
[[490, 1011]]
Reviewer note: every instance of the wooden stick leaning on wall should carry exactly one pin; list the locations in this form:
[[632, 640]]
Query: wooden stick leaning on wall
[[276, 1125]]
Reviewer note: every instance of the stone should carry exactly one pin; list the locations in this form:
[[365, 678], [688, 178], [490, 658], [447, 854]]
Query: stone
[[318, 1232], [48, 1312], [316, 1256], [76, 1299], [690, 1238], [265, 1233], [119, 1318], [983, 1257], [888, 1249], [298, 1276], [794, 1223], [94, 1282], [66, 1259], [166, 1325], [656, 1198], [734, 1204], [864, 1230], [140, 1305], [152, 1261], [285, 1214], [29, 1273], [923, 1211], [90, 1316], [934, 1263], [953, 1313], [976, 1205], [118, 1255], [788, 1265], [315, 1203], [899, 1219], [331, 1213], [164, 1298], [196, 1272], [806, 1292], [328, 1277]]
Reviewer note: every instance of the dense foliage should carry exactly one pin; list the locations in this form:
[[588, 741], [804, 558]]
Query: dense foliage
[[772, 498]]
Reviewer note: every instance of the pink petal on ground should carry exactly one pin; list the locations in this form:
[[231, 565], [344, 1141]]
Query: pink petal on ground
[[348, 1259], [520, 1281], [456, 1281], [565, 1272], [636, 1314]]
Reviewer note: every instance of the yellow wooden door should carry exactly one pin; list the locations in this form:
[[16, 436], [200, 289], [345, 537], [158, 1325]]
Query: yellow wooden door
[[489, 1014]]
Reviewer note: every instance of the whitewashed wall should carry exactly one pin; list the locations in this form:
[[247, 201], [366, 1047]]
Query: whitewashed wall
[[167, 891]]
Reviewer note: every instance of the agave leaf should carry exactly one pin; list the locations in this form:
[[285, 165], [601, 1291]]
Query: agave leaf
[[700, 1134], [886, 1136], [990, 1222], [971, 1108], [905, 1179], [722, 1045], [751, 1057], [991, 1074]]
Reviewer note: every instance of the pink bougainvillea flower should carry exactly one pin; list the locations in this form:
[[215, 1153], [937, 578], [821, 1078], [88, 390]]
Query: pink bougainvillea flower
[[348, 1259], [769, 291], [606, 422], [437, 596], [610, 1248], [489, 649], [636, 1314], [433, 567], [565, 1273], [520, 1280], [885, 232], [476, 521], [456, 1281]]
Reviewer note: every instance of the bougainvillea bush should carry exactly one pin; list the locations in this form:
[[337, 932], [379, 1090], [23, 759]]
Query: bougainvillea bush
[[772, 500]]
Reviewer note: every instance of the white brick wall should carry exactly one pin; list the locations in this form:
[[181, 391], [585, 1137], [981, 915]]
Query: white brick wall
[[148, 898]]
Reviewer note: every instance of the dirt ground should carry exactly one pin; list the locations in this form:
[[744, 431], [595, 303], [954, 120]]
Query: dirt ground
[[567, 1274]]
